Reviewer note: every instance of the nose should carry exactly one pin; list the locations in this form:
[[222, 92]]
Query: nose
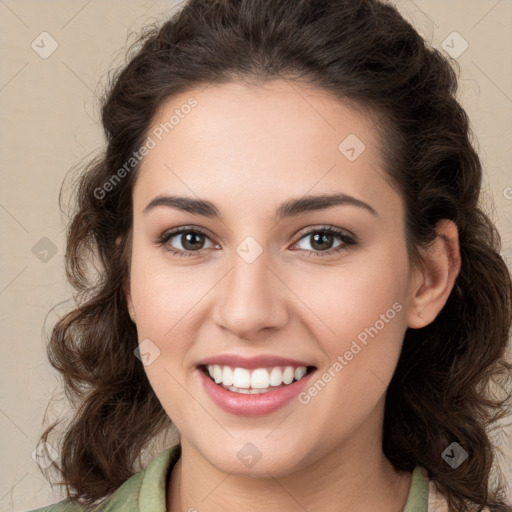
[[251, 298]]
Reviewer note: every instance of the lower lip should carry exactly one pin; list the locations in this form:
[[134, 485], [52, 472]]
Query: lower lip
[[252, 405]]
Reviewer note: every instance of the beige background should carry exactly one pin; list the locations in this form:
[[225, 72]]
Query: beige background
[[50, 120]]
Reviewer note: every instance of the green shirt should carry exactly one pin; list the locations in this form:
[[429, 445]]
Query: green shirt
[[146, 490]]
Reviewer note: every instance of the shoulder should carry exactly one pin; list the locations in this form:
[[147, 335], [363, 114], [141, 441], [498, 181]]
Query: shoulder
[[143, 489]]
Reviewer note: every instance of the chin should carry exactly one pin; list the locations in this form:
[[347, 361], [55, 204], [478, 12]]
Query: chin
[[255, 460]]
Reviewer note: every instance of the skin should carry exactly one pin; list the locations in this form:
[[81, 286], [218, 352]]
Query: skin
[[248, 148]]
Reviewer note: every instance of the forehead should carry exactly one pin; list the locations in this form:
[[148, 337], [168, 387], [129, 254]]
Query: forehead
[[242, 141]]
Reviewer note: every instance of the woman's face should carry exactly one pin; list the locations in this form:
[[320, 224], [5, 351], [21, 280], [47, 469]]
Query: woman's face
[[262, 278]]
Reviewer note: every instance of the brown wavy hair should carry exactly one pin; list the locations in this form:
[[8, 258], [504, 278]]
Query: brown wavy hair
[[363, 52]]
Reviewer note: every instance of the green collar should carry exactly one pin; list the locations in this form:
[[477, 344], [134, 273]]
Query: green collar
[[417, 500]]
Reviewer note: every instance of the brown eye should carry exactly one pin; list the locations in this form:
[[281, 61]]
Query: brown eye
[[321, 241], [184, 240], [191, 240]]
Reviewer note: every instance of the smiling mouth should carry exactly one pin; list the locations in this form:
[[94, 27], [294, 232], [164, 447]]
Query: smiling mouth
[[255, 381]]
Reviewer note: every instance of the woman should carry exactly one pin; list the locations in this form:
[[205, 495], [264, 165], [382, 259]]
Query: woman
[[293, 271]]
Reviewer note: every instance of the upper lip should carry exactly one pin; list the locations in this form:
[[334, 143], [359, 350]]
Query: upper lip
[[260, 361]]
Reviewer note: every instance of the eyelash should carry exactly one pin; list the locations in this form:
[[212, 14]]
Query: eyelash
[[346, 239]]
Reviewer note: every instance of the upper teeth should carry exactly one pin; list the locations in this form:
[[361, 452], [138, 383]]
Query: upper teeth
[[259, 378]]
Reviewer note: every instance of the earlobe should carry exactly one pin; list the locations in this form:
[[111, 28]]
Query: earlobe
[[434, 282]]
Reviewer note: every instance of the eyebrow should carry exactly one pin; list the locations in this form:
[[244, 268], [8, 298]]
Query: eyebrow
[[290, 208]]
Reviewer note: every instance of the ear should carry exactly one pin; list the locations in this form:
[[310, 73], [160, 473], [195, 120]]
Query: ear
[[432, 284]]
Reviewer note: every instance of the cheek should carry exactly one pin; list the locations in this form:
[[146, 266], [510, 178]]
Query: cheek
[[165, 302], [361, 306], [366, 290], [361, 332], [163, 293]]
